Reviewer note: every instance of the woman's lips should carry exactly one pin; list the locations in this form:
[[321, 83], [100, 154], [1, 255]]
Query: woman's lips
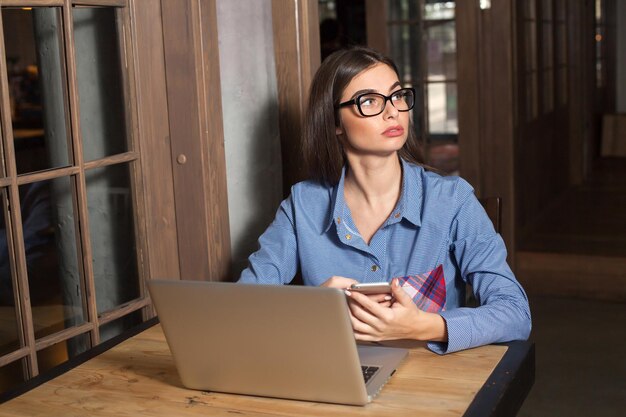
[[394, 131]]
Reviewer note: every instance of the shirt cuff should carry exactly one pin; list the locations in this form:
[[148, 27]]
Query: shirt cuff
[[459, 333]]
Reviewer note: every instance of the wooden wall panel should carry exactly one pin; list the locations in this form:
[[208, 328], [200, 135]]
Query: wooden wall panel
[[297, 51], [470, 92], [161, 259], [487, 105], [195, 118]]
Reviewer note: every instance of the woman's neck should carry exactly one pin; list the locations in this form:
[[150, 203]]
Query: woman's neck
[[373, 180]]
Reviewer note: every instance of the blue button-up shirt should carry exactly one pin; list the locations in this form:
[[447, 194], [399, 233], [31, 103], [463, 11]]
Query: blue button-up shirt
[[437, 221]]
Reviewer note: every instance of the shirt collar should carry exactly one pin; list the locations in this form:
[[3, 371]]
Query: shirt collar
[[337, 201], [410, 204]]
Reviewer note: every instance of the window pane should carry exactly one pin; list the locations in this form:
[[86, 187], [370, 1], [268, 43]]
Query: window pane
[[405, 51], [37, 87], [100, 82], [9, 337], [441, 51], [438, 10], [111, 227], [402, 10], [11, 375], [54, 279], [118, 326], [58, 353], [442, 108]]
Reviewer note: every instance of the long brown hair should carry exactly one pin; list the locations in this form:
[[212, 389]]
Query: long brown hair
[[322, 150]]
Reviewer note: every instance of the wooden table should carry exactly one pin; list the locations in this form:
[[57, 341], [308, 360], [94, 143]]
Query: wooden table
[[137, 377]]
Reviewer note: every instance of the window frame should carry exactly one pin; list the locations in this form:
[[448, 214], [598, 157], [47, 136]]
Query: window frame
[[76, 171]]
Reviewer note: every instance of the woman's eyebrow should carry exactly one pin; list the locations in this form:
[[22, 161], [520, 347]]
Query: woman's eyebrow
[[365, 91], [396, 84], [370, 90]]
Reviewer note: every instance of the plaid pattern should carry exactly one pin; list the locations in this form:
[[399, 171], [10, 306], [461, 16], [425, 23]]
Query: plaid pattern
[[428, 290]]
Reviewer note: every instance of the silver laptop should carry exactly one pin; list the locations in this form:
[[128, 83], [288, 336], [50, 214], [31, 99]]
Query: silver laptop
[[276, 341]]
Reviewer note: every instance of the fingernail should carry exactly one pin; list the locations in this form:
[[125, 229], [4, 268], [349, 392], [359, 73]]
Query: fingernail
[[387, 297], [348, 293]]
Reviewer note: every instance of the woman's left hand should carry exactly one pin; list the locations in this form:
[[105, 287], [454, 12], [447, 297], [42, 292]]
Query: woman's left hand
[[402, 320]]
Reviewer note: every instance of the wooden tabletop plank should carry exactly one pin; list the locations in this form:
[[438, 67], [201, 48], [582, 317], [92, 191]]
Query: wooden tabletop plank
[[138, 378]]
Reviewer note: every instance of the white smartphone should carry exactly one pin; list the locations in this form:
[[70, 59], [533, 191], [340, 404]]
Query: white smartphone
[[372, 288]]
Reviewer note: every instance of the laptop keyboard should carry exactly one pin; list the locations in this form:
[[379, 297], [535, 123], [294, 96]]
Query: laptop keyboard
[[368, 372]]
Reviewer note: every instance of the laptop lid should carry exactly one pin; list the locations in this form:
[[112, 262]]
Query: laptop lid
[[278, 341]]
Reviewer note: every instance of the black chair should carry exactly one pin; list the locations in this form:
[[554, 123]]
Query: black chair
[[493, 207]]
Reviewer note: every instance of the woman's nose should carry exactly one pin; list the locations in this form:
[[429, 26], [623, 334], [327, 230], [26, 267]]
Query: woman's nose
[[390, 110]]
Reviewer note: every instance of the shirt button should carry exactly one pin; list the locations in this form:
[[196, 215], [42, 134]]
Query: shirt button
[[396, 215], [374, 268], [348, 236]]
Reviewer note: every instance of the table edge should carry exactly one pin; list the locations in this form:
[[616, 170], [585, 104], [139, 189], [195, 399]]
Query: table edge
[[508, 385]]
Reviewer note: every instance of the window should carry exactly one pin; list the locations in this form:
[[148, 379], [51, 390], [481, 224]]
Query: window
[[70, 270], [422, 40], [544, 56]]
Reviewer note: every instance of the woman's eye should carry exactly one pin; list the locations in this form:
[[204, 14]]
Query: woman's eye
[[400, 95], [369, 101]]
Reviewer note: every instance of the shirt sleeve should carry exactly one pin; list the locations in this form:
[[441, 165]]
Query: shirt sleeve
[[276, 261], [480, 253]]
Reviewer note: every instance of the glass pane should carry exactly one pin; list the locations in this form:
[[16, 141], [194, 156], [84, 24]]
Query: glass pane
[[441, 51], [442, 108], [116, 327], [438, 10], [48, 224], [111, 227], [9, 336], [405, 51], [402, 10], [61, 352], [100, 82], [12, 375], [37, 87]]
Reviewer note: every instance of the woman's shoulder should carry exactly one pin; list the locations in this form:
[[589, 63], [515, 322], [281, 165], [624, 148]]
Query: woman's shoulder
[[310, 192], [431, 181]]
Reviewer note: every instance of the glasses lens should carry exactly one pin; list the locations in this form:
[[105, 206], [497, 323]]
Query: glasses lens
[[371, 104], [403, 99]]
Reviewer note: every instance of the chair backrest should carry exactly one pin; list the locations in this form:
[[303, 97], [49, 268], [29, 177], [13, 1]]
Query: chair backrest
[[493, 207]]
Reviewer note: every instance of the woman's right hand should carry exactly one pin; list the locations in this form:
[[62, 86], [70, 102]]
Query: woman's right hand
[[344, 283], [341, 283]]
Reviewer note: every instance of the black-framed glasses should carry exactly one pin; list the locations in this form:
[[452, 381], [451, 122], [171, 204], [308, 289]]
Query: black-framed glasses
[[372, 104]]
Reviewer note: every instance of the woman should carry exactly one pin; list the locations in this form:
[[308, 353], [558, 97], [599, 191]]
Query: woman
[[370, 213]]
